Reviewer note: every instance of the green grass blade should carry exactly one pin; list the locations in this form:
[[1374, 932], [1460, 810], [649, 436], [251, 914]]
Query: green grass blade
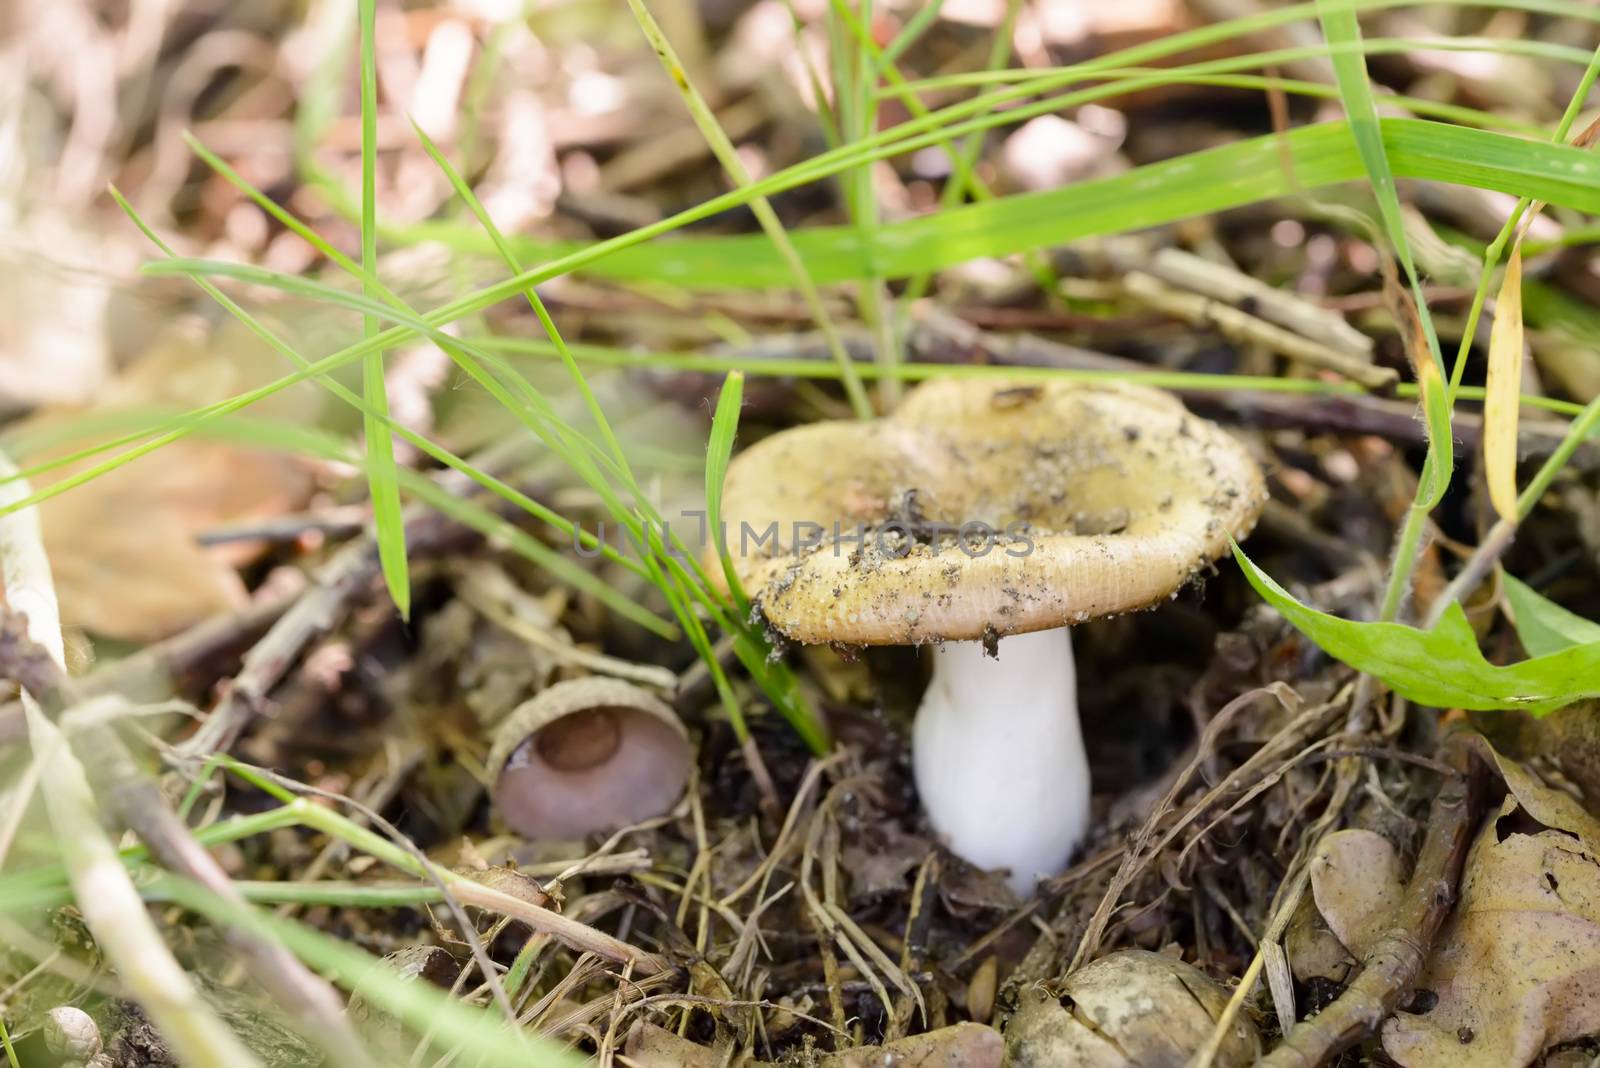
[[909, 34], [425, 1009], [719, 451], [1340, 27], [382, 476], [723, 149], [1212, 180]]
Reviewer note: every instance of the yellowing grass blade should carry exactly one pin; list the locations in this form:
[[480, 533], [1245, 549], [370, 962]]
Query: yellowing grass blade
[[1504, 386]]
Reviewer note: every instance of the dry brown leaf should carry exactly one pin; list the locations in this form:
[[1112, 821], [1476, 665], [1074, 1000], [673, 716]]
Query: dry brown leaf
[[1553, 808], [1357, 881], [1132, 1008], [122, 546], [968, 1045], [1517, 967]]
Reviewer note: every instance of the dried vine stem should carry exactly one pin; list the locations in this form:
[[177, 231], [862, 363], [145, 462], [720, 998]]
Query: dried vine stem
[[1391, 966]]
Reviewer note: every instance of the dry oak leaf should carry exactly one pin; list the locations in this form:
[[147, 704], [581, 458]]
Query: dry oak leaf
[[1132, 1009], [1516, 968], [1356, 880], [122, 547]]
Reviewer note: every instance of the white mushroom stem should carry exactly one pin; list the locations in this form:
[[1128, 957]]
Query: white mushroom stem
[[998, 755]]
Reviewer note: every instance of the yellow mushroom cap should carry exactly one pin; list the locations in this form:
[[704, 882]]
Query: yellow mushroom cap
[[1100, 497]]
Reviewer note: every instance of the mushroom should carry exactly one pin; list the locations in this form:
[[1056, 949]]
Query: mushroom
[[989, 518], [587, 755]]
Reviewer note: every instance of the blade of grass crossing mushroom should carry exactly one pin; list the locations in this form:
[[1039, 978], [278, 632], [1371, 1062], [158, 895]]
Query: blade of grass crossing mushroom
[[726, 154], [854, 84], [1340, 27], [775, 678], [115, 914], [5, 1043], [719, 450], [1503, 388], [382, 477]]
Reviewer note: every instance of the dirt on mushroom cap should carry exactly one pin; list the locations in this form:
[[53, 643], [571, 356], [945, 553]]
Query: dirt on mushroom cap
[[981, 509]]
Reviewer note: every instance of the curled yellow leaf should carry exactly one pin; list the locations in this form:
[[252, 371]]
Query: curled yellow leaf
[[1503, 390]]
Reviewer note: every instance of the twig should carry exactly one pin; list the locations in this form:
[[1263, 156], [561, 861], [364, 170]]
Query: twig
[[1286, 308], [185, 663], [337, 522], [1241, 326], [30, 590], [1392, 964]]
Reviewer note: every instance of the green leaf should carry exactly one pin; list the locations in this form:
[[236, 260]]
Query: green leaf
[[1544, 626], [1442, 667]]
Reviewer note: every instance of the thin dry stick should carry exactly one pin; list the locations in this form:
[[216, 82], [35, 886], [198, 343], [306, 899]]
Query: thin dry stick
[[1392, 964], [30, 590], [1241, 326], [1281, 306]]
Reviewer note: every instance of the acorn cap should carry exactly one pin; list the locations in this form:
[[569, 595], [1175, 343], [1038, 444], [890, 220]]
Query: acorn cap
[[587, 755], [1080, 500]]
